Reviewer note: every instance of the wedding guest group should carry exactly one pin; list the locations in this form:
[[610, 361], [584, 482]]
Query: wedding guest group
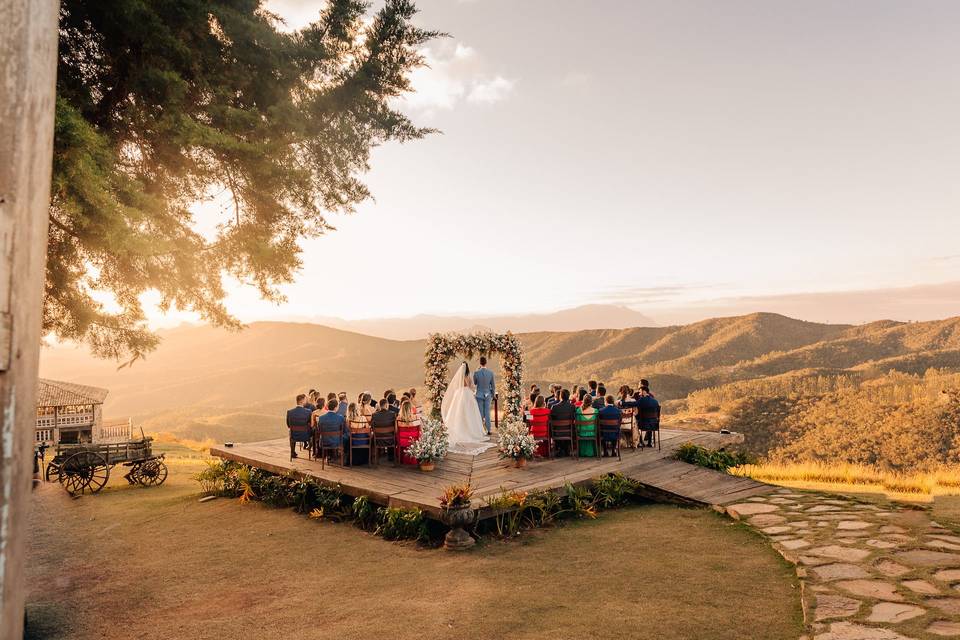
[[329, 421], [585, 403]]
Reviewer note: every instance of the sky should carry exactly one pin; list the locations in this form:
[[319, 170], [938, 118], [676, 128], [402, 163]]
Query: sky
[[651, 154]]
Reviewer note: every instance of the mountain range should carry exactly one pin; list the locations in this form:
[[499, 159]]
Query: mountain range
[[590, 316], [205, 382]]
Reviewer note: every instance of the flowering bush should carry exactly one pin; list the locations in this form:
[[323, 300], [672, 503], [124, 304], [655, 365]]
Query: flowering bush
[[515, 440], [442, 347], [456, 495], [432, 443]]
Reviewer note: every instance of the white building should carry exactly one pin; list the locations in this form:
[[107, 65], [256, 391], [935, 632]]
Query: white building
[[69, 413]]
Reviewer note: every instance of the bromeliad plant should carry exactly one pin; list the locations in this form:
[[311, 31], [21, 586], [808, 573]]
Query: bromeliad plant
[[515, 440], [456, 496], [432, 444]]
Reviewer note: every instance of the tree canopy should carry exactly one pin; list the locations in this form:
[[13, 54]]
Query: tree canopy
[[165, 103]]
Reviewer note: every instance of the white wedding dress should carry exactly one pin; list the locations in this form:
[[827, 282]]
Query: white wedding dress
[[461, 416]]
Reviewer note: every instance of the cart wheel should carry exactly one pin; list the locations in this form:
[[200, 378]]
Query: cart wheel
[[52, 472], [152, 473], [133, 476], [84, 471]]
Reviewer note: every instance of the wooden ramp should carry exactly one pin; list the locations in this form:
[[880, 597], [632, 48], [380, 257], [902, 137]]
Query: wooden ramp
[[661, 476]]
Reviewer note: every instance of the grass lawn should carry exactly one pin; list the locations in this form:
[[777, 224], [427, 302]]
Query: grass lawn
[[155, 563]]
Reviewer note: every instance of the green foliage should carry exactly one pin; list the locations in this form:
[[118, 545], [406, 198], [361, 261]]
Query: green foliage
[[717, 459], [519, 510], [221, 478], [614, 490], [365, 514], [161, 105], [399, 523]]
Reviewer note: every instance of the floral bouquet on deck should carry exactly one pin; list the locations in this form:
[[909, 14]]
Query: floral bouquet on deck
[[515, 440], [431, 446]]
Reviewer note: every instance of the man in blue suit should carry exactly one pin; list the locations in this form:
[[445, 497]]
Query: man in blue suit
[[607, 411], [331, 421], [483, 380], [298, 422]]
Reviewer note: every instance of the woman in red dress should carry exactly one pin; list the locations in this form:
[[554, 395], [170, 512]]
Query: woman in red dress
[[539, 425], [408, 430]]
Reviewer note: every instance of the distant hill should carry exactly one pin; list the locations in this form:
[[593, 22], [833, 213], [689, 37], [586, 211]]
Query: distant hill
[[204, 382], [591, 316]]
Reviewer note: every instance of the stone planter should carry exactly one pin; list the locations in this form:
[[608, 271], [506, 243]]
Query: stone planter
[[427, 466], [457, 539]]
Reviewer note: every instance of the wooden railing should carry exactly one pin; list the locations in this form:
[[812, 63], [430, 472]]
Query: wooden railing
[[65, 420], [118, 430]]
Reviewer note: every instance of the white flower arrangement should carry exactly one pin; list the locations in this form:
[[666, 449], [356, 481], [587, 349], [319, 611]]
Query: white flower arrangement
[[442, 347], [432, 443], [515, 440]]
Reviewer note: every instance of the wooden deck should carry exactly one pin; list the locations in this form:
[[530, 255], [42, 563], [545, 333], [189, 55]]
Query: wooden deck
[[660, 475]]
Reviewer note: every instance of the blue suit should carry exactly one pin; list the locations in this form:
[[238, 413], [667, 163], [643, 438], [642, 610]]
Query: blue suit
[[483, 379], [333, 419]]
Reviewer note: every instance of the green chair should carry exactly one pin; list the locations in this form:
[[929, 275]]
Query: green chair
[[586, 430]]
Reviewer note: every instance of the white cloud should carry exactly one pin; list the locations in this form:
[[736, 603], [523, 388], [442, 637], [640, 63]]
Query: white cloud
[[490, 91], [455, 73]]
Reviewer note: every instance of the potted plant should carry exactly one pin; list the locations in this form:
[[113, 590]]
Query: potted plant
[[455, 512], [431, 446], [516, 442]]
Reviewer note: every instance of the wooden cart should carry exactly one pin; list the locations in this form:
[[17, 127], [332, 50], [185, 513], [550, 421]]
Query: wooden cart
[[83, 468]]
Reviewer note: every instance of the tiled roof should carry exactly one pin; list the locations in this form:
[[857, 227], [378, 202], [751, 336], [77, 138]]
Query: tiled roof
[[54, 393]]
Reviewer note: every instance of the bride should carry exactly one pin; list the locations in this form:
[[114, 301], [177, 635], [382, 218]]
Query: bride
[[461, 415]]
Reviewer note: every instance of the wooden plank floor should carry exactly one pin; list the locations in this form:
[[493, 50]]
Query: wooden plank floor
[[405, 486]]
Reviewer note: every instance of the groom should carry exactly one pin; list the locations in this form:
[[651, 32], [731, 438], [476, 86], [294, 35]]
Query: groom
[[483, 380]]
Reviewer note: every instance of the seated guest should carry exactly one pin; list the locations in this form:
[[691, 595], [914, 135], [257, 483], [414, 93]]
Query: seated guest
[[331, 419], [563, 410], [528, 402], [311, 400], [593, 388], [384, 417], [645, 388], [408, 428], [539, 425], [367, 406], [298, 424], [413, 398], [392, 403], [608, 411], [586, 413], [555, 398], [646, 403], [373, 403], [342, 405], [319, 411], [357, 422], [599, 400]]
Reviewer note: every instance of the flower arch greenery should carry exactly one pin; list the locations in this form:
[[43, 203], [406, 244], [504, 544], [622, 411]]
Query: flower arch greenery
[[442, 347]]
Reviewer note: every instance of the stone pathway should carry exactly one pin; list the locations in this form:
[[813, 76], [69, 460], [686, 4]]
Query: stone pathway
[[867, 572]]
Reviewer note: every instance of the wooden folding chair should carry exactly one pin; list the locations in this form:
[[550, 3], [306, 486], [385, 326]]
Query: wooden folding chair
[[385, 437], [628, 428], [608, 430], [586, 431], [360, 438], [650, 422], [561, 431], [331, 439]]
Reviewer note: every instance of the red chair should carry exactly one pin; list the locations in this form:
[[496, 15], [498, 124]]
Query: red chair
[[407, 432], [540, 430]]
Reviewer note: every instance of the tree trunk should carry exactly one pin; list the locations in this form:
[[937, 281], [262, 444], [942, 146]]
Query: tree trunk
[[28, 66]]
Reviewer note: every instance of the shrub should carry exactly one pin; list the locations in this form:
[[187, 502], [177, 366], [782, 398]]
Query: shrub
[[717, 459], [399, 523]]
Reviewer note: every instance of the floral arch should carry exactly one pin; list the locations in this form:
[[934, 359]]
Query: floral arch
[[443, 347]]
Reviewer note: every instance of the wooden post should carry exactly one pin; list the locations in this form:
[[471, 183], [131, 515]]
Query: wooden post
[[28, 67]]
